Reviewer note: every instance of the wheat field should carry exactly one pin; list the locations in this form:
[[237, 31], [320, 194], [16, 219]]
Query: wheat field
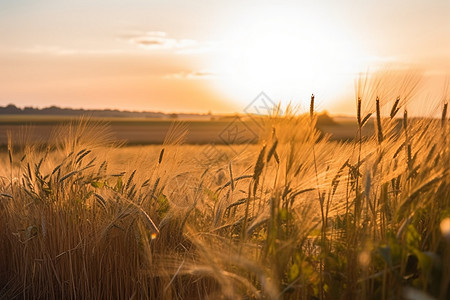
[[296, 216]]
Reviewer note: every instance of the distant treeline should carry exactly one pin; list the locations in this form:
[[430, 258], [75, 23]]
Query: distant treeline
[[11, 109]]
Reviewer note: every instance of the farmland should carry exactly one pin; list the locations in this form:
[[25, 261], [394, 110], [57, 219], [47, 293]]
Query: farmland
[[292, 215], [141, 131]]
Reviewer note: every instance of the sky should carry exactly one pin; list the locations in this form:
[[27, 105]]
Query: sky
[[201, 56]]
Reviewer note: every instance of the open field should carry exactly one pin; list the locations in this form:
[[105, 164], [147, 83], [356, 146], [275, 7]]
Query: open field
[[38, 129], [292, 216]]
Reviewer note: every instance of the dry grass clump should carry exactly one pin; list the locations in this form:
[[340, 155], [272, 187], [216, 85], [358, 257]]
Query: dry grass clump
[[75, 225], [300, 217]]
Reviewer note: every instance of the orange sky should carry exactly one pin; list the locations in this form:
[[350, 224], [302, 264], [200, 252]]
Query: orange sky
[[200, 56]]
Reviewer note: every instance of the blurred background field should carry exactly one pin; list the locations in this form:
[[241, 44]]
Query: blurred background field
[[144, 131]]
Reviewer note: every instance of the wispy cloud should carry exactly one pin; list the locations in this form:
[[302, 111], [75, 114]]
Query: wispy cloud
[[190, 75], [158, 40], [152, 41]]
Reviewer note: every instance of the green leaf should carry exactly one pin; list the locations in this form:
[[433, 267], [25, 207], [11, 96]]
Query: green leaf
[[412, 238], [97, 184], [164, 205], [294, 271], [283, 214], [119, 185]]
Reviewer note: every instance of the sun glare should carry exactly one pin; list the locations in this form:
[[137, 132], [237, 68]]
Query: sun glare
[[287, 58]]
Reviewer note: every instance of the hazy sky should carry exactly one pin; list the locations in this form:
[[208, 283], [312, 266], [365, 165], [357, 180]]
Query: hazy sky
[[179, 56]]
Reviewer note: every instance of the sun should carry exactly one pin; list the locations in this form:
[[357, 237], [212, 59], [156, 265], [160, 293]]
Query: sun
[[288, 57]]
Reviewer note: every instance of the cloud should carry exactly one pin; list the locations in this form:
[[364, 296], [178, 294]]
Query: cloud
[[160, 41], [152, 40], [151, 43], [191, 75], [156, 40]]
